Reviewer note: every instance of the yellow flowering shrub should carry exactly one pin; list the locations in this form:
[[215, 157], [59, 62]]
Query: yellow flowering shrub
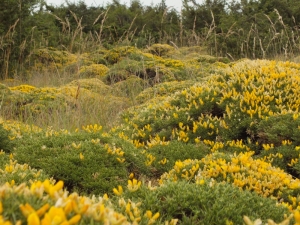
[[93, 84], [114, 55], [225, 107], [93, 70], [240, 170], [14, 173], [219, 129], [161, 49], [52, 59], [162, 89], [47, 202]]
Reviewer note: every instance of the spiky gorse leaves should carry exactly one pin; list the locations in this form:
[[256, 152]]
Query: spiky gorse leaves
[[240, 170], [15, 173], [224, 107], [47, 203], [243, 117]]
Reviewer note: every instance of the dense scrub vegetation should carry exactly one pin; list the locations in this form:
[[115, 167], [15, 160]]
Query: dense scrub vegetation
[[149, 138], [108, 117], [234, 29]]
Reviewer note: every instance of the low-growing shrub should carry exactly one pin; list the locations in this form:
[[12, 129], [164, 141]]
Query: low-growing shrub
[[79, 159], [88, 161], [93, 70], [167, 154], [5, 139], [206, 203]]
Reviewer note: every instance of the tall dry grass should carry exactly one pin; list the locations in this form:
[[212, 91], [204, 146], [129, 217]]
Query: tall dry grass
[[281, 44]]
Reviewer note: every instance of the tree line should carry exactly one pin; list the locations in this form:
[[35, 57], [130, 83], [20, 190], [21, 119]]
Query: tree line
[[235, 29]]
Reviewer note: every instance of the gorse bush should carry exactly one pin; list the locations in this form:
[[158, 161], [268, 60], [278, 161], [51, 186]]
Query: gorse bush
[[186, 139], [204, 203], [81, 160], [5, 139], [227, 107]]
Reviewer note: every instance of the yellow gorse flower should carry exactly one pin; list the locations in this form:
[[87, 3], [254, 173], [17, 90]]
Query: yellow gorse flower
[[76, 146], [133, 185], [33, 219], [151, 218], [81, 156], [4, 222], [118, 191]]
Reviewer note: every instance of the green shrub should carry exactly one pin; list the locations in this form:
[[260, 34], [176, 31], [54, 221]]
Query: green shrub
[[130, 87], [277, 128], [5, 143], [167, 155], [211, 59], [93, 70], [207, 203], [163, 89], [161, 49], [87, 162], [78, 159]]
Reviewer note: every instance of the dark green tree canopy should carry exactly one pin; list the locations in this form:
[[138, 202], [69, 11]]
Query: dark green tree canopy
[[239, 28]]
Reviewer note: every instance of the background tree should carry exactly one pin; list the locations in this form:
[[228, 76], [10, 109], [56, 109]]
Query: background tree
[[14, 32]]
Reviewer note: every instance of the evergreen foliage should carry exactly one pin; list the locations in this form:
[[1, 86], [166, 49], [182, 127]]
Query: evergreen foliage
[[253, 29]]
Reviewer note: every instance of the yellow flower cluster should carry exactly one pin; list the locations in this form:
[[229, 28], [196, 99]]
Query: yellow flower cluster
[[92, 128], [265, 87], [116, 151], [23, 88], [18, 129], [252, 90], [270, 222], [241, 170], [94, 70], [157, 140], [64, 208]]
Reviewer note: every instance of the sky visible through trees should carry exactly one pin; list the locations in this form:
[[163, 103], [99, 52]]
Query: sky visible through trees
[[170, 3]]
